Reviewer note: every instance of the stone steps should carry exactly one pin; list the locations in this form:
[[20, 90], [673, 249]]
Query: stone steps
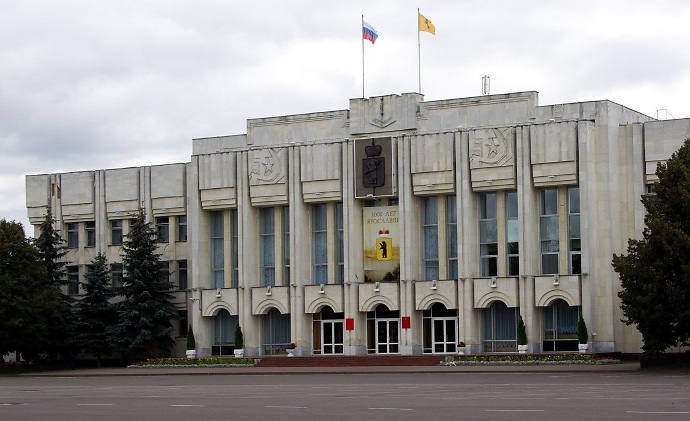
[[350, 361]]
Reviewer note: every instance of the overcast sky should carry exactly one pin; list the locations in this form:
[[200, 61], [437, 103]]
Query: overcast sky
[[93, 84]]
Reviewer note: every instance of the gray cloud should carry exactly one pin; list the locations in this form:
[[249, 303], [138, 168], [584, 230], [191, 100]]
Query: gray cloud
[[89, 85]]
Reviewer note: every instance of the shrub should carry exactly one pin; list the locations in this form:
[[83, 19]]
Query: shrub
[[521, 332], [198, 362], [582, 335], [191, 342], [239, 337]]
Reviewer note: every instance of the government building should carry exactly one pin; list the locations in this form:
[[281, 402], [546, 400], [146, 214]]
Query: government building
[[394, 226]]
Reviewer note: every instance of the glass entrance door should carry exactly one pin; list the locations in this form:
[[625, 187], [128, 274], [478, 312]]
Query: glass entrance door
[[332, 336], [444, 335], [387, 336], [440, 330]]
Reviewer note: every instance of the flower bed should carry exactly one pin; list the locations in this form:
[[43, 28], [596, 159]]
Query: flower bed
[[530, 359], [194, 362]]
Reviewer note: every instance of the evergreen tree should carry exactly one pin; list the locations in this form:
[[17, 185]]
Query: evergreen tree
[[144, 328], [52, 249], [521, 332], [94, 312], [191, 342], [239, 337], [655, 274], [582, 334], [26, 303]]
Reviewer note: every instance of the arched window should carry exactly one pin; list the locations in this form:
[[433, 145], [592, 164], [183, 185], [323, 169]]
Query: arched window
[[224, 333], [499, 328], [560, 326], [275, 331]]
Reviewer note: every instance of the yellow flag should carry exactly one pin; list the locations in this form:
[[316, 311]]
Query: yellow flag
[[426, 25]]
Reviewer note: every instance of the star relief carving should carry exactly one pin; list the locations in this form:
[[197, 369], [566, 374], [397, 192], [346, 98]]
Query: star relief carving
[[268, 165], [492, 147]]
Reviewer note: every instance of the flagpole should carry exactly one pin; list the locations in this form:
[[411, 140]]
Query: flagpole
[[362, 37], [419, 54]]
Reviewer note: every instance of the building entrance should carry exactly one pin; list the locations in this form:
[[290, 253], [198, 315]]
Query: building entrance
[[387, 336], [332, 337], [444, 338], [383, 331], [328, 332], [440, 330]]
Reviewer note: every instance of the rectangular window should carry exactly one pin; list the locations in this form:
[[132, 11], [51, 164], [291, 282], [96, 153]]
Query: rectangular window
[[162, 229], [182, 275], [548, 231], [217, 251], [182, 228], [116, 232], [116, 276], [73, 280], [131, 224], [73, 235], [430, 238], [164, 269], [319, 243], [286, 245], [90, 234], [234, 282], [512, 234], [452, 236], [339, 244], [488, 234], [267, 246], [183, 323], [575, 261]]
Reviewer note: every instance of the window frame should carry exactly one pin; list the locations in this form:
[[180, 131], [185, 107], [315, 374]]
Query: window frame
[[512, 214], [319, 236], [574, 241], [493, 330], [72, 229], [234, 253], [181, 228], [488, 247], [267, 246], [164, 269], [452, 237], [285, 213], [339, 244], [546, 242], [162, 229], [430, 249], [217, 239], [90, 230], [182, 275], [117, 275], [72, 279], [116, 232]]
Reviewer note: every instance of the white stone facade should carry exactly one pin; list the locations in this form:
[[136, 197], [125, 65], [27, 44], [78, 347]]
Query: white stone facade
[[498, 207]]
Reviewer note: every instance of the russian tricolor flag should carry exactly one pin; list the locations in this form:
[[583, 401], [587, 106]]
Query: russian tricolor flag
[[369, 33]]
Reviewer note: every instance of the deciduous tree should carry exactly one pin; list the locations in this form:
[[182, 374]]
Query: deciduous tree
[[27, 302]]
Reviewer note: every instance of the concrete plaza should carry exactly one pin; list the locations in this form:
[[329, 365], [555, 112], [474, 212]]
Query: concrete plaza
[[620, 392]]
